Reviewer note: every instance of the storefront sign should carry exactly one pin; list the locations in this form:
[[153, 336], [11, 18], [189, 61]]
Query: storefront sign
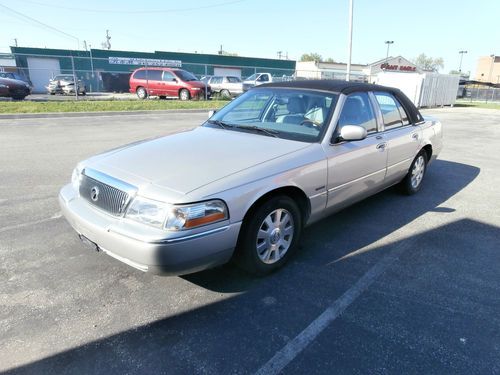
[[404, 68], [144, 62]]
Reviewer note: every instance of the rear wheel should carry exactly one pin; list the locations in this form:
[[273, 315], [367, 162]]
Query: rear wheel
[[184, 94], [141, 93], [413, 180], [269, 236], [225, 94]]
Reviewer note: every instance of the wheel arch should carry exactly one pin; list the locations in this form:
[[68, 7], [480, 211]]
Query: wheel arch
[[428, 151], [291, 191]]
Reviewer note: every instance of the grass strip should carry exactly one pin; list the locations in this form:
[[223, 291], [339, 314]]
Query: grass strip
[[106, 105]]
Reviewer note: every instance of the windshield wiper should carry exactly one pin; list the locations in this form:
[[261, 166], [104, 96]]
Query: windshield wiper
[[269, 132], [222, 124]]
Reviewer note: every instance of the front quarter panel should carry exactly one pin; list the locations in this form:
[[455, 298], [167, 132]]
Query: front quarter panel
[[305, 169]]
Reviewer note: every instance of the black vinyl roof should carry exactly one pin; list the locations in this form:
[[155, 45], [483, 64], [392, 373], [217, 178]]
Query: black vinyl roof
[[348, 87], [334, 85]]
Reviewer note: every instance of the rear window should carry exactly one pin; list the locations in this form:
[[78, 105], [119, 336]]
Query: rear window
[[233, 79], [140, 74]]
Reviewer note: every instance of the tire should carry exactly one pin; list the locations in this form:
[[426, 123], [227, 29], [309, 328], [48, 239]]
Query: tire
[[52, 93], [18, 97], [141, 93], [184, 94], [412, 183], [225, 94], [267, 240]]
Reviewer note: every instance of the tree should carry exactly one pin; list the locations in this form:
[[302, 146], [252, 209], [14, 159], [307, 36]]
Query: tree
[[428, 63], [330, 60], [313, 56]]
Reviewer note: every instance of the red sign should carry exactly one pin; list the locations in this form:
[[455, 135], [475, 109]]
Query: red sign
[[404, 68]]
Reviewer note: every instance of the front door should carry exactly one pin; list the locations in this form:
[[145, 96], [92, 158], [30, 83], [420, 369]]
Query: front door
[[357, 168], [170, 84]]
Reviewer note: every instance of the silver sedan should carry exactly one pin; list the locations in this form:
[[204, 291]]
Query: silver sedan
[[245, 183]]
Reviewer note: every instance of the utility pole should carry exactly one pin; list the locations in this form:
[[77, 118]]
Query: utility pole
[[388, 42], [107, 44], [279, 54], [220, 51], [15, 42], [461, 57], [348, 74], [85, 45]]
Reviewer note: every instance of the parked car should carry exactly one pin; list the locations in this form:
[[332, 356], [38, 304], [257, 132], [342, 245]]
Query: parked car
[[225, 86], [19, 77], [261, 78], [65, 84], [246, 182], [14, 88], [167, 82]]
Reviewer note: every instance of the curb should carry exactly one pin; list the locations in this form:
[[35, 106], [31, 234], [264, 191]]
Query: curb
[[15, 116]]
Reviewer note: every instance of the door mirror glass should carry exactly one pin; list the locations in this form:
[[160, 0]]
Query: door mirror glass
[[352, 133]]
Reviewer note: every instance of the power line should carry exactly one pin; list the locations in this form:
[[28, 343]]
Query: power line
[[25, 17], [139, 11]]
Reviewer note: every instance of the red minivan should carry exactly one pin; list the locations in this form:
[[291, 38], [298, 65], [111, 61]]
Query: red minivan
[[165, 82]]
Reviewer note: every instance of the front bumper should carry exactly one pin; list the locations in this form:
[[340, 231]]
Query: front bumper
[[166, 256]]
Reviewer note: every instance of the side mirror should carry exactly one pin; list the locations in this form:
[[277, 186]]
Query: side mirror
[[352, 133], [211, 113], [174, 79]]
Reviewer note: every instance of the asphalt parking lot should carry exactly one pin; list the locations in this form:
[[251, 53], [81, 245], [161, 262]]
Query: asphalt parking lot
[[392, 285]]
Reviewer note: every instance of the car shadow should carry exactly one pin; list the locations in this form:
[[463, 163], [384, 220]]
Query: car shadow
[[444, 283], [356, 226]]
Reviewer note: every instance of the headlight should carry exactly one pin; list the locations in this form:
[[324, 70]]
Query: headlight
[[196, 215], [76, 177], [148, 211], [176, 218]]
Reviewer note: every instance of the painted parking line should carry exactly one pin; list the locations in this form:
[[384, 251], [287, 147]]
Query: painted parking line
[[294, 347], [56, 216]]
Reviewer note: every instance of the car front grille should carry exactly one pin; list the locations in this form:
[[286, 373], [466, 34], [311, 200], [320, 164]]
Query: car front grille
[[103, 196]]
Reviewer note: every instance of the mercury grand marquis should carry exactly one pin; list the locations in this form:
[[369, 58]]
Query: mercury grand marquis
[[244, 184]]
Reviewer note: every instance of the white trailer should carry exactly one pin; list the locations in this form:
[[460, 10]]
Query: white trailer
[[423, 89]]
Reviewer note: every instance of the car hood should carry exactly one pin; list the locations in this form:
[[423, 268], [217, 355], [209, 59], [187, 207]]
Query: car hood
[[186, 161]]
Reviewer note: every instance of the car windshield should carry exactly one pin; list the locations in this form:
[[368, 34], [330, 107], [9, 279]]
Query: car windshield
[[300, 115], [185, 76], [253, 77]]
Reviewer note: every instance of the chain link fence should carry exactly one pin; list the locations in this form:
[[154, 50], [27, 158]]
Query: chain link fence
[[108, 77], [481, 94]]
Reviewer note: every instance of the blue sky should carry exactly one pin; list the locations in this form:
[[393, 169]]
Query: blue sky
[[260, 28]]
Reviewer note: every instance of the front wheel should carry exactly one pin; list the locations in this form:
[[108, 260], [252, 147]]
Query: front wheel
[[269, 236], [225, 94], [413, 180], [184, 94], [141, 93]]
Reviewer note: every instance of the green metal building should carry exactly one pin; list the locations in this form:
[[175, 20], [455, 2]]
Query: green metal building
[[109, 70]]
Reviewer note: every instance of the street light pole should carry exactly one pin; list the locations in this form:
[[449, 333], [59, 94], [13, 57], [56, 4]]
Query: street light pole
[[348, 74], [388, 42], [461, 57]]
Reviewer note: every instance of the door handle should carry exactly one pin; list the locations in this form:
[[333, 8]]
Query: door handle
[[382, 146], [414, 136]]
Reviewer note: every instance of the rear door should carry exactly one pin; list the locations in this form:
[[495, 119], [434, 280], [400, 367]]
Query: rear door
[[153, 82], [356, 168], [403, 139]]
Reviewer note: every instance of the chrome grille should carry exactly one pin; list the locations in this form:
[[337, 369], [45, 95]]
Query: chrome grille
[[106, 197]]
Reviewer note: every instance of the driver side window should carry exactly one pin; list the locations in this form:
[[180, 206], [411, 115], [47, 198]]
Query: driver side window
[[357, 110]]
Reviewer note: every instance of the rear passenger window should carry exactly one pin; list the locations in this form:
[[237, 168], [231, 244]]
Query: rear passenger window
[[154, 75], [358, 111], [393, 113]]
